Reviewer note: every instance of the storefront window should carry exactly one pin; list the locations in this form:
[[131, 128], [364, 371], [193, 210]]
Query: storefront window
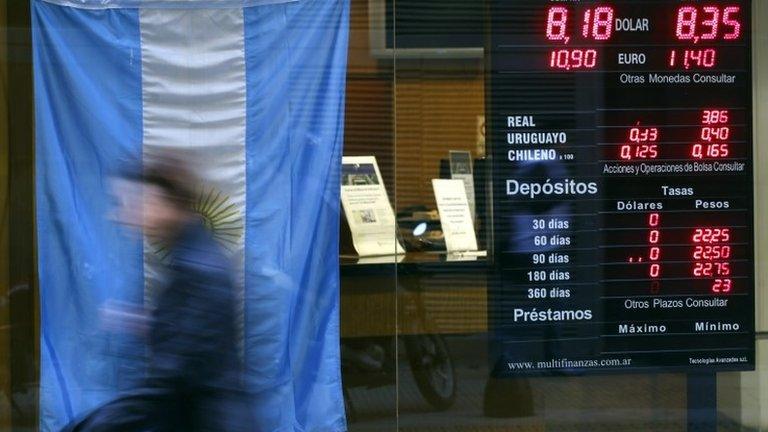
[[449, 306]]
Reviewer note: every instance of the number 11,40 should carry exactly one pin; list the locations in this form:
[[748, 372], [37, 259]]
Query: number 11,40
[[692, 58]]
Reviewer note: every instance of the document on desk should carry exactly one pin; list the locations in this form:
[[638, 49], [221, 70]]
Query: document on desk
[[455, 216], [367, 207]]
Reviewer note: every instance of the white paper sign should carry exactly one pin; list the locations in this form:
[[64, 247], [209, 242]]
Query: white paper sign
[[455, 218], [367, 208], [461, 169]]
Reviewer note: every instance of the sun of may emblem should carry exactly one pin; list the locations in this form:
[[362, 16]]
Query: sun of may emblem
[[220, 215]]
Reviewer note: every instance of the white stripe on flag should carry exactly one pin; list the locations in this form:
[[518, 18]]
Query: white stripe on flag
[[194, 91]]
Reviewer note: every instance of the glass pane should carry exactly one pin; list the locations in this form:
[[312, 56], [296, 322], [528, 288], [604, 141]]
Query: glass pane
[[368, 277], [450, 306], [5, 337]]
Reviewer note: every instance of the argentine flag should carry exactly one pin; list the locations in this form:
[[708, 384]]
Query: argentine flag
[[250, 91]]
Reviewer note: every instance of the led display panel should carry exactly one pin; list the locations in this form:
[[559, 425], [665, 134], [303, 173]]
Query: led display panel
[[621, 144]]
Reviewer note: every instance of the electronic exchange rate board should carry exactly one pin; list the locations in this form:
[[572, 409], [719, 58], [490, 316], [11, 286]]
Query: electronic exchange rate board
[[622, 185]]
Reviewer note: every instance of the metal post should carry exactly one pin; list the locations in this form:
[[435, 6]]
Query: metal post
[[702, 402]]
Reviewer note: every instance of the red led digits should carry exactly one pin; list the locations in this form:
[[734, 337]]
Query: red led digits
[[709, 133], [599, 28], [573, 59], [709, 117], [557, 24], [654, 252], [695, 23], [693, 58], [585, 27], [597, 24], [643, 143], [712, 21], [711, 253], [722, 286], [712, 135], [711, 235], [686, 23], [602, 26], [653, 220], [728, 19], [709, 269], [709, 151], [703, 23]]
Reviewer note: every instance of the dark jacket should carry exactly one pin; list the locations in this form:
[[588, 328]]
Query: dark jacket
[[192, 338], [193, 380]]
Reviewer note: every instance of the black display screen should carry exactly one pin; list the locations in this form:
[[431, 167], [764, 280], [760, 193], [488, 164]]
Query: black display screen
[[621, 144]]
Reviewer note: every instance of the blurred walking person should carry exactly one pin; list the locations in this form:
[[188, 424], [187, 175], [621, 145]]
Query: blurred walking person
[[193, 376]]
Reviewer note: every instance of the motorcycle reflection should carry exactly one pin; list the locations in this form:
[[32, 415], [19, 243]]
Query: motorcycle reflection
[[372, 362]]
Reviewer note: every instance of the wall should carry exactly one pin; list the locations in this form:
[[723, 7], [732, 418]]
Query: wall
[[5, 371], [741, 396], [19, 135], [760, 74], [755, 385], [436, 109]]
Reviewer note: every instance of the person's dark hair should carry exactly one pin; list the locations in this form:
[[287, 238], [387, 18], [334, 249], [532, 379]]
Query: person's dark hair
[[169, 174]]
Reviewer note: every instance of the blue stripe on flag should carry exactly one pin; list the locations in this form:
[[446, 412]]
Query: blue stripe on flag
[[88, 119], [60, 378], [296, 68]]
